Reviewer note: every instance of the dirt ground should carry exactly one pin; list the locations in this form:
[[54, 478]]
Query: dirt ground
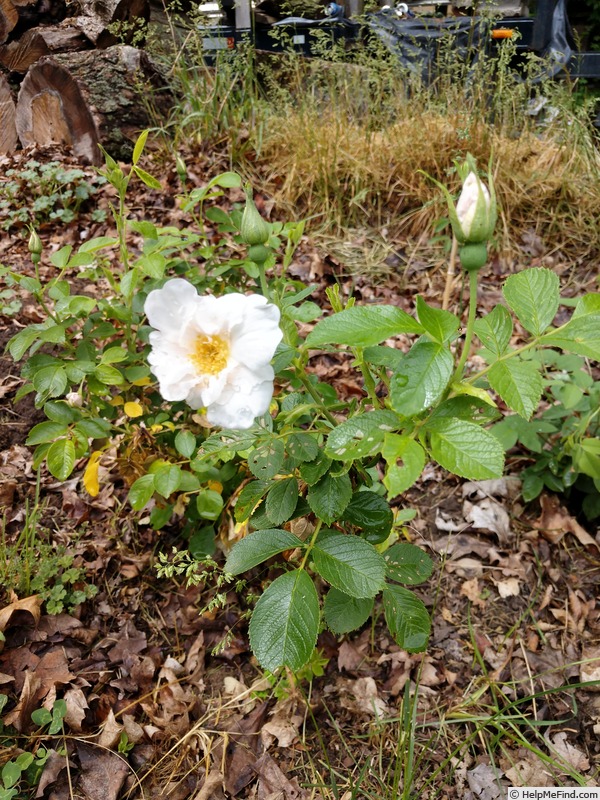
[[153, 712]]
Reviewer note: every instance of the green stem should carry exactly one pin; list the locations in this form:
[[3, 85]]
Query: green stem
[[458, 373], [369, 383], [311, 544], [264, 286], [303, 378]]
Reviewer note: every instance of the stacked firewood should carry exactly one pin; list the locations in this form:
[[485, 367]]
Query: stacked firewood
[[71, 73]]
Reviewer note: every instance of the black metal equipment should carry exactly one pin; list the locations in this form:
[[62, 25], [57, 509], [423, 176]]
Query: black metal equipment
[[415, 39]]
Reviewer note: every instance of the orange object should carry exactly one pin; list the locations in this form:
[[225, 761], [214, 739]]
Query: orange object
[[503, 33]]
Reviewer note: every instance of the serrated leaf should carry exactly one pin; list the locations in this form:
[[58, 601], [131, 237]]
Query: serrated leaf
[[209, 504], [362, 326], [94, 428], [343, 613], [185, 443], [494, 330], [406, 617], [533, 295], [248, 499], [50, 381], [167, 480], [45, 432], [312, 471], [285, 622], [59, 411], [463, 388], [399, 478], [258, 547], [580, 335], [440, 325], [141, 492], [113, 355], [282, 500], [266, 461], [407, 563], [370, 512], [349, 563], [465, 449], [329, 497], [421, 378], [19, 344], [61, 458], [302, 446], [109, 376], [360, 436], [518, 383]]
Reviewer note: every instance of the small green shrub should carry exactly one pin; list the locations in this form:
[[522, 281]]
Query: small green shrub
[[41, 192], [564, 440], [172, 368]]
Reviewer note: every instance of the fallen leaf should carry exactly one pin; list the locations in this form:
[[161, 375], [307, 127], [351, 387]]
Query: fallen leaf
[[570, 755], [508, 588], [555, 521], [590, 666], [488, 515], [281, 729], [367, 697], [111, 731], [471, 590], [76, 708], [349, 657], [484, 782], [30, 605], [273, 784], [102, 772]]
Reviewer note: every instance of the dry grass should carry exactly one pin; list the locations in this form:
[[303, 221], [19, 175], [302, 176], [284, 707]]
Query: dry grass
[[358, 177]]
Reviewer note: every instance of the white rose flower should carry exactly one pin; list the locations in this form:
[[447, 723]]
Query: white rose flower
[[214, 352]]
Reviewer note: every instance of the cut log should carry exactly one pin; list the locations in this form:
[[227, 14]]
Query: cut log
[[106, 22], [82, 99], [8, 130], [9, 16], [18, 56]]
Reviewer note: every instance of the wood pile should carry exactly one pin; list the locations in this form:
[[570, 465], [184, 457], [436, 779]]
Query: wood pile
[[71, 73]]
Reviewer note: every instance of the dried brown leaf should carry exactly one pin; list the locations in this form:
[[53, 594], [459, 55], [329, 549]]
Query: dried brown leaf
[[555, 521]]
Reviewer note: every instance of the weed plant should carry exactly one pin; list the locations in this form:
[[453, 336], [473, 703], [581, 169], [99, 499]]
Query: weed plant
[[40, 192]]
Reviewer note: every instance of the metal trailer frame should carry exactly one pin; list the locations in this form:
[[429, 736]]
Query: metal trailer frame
[[548, 33]]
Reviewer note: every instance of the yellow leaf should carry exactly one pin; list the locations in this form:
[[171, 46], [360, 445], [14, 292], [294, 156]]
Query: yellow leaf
[[142, 382], [216, 486], [90, 476], [117, 400], [133, 409], [473, 391]]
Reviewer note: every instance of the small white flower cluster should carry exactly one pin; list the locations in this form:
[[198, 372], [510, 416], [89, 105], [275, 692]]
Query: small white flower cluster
[[214, 352]]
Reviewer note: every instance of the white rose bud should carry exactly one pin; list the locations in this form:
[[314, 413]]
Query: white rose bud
[[74, 399], [475, 212]]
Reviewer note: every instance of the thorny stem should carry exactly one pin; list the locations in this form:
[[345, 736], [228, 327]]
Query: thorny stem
[[458, 373]]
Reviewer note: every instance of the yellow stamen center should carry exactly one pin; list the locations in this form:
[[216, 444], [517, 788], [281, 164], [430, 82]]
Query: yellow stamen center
[[210, 354]]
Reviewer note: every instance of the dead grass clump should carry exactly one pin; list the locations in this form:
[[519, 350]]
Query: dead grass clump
[[356, 176]]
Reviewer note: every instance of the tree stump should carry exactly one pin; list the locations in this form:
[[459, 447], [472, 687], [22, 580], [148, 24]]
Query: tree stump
[[8, 129], [81, 99]]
